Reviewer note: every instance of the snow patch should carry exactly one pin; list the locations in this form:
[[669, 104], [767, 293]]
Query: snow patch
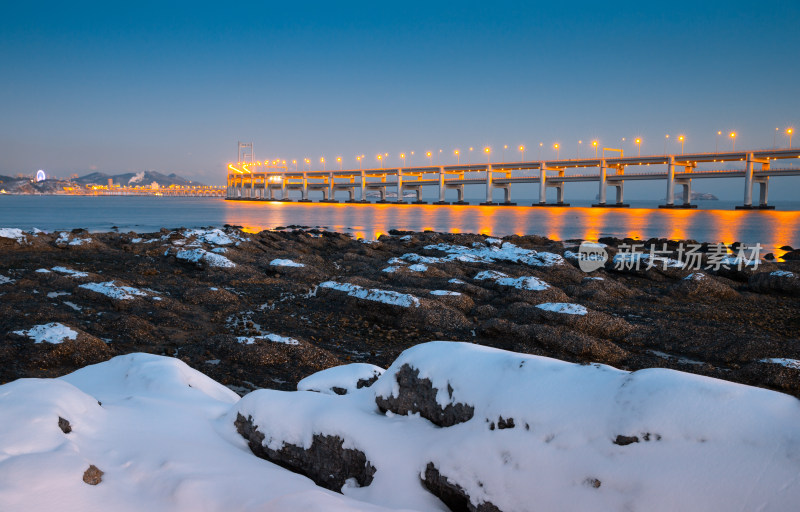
[[54, 333], [563, 307], [13, 233], [75, 274], [285, 263], [373, 294], [117, 292], [345, 377], [789, 363], [275, 338], [209, 258], [444, 292]]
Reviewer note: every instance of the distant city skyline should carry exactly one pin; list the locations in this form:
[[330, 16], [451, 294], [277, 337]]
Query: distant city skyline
[[172, 88]]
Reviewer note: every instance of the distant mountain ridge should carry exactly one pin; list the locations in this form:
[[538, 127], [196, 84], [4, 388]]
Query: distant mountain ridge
[[131, 178], [26, 185]]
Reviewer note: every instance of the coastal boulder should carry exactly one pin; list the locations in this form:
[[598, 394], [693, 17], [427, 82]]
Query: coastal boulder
[[777, 281]]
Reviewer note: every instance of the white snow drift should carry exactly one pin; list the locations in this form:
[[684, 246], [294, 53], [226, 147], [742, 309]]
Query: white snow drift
[[164, 436]]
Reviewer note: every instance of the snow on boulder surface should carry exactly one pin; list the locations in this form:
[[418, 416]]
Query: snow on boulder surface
[[13, 233], [285, 263], [114, 291], [340, 380], [373, 294], [155, 427], [549, 435], [201, 256], [54, 333]]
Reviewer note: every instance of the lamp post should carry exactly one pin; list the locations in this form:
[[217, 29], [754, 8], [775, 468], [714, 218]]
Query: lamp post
[[594, 145], [488, 152], [458, 156], [681, 138], [578, 152], [666, 139], [557, 148], [295, 165], [505, 147], [358, 158], [339, 159], [380, 159], [716, 144], [403, 156], [733, 140], [469, 160], [790, 132], [322, 161], [430, 157], [541, 145], [775, 139], [522, 153], [638, 143]]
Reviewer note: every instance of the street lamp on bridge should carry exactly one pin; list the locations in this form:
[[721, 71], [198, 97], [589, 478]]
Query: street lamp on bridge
[[403, 156], [339, 160], [681, 139], [458, 156], [430, 157], [594, 145], [488, 152], [522, 153], [638, 143], [557, 147], [733, 140], [789, 132]]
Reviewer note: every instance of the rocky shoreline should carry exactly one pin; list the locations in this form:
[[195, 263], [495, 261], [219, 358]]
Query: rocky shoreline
[[264, 310]]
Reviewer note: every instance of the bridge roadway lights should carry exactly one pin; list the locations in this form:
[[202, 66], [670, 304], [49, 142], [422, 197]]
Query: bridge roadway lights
[[756, 207], [613, 205], [550, 204]]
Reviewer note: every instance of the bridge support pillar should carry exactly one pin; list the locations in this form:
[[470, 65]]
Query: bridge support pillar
[[441, 187], [619, 184], [489, 187], [304, 191], [601, 194], [363, 194], [749, 179], [400, 198], [542, 184]]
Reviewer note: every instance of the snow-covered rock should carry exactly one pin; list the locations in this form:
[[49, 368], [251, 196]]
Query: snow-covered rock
[[201, 257], [285, 263], [14, 234], [541, 434], [373, 294], [520, 430]]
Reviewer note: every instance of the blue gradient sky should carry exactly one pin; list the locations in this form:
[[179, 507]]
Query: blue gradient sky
[[172, 86]]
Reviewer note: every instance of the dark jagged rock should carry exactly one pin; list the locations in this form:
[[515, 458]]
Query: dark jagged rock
[[419, 396], [64, 425], [325, 462], [452, 494], [93, 475]]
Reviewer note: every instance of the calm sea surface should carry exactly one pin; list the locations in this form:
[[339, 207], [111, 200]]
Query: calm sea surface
[[715, 221]]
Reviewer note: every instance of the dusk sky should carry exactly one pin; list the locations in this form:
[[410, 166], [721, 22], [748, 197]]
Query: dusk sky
[[172, 87]]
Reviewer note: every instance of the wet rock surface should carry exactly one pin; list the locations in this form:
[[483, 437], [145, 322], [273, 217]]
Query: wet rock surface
[[256, 325]]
